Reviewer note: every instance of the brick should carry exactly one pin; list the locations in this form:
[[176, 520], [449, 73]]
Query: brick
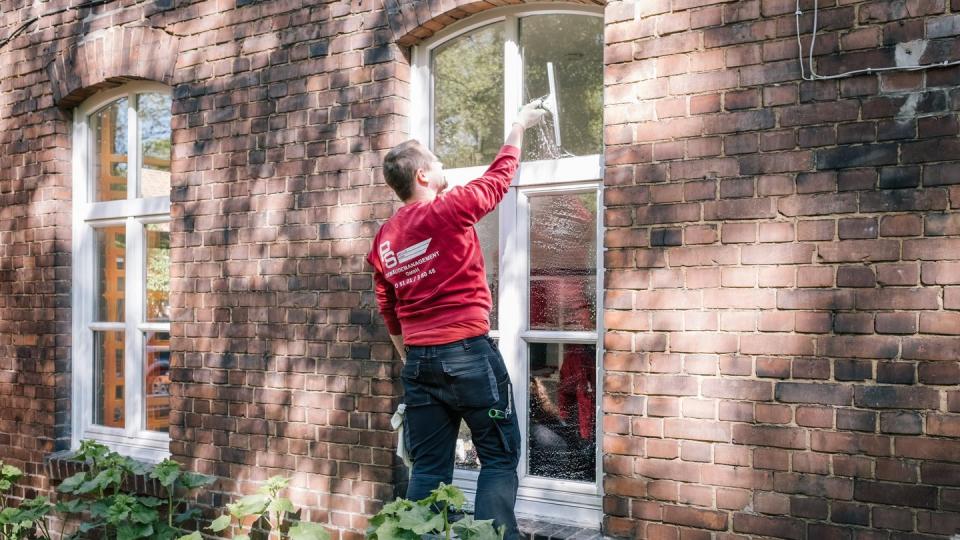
[[931, 348], [941, 224], [854, 323], [895, 494], [855, 276], [737, 389], [850, 443], [852, 370], [896, 323], [940, 373], [903, 201], [812, 205], [897, 274], [896, 373], [825, 394], [781, 437], [903, 225], [858, 347], [940, 323], [778, 527], [896, 397], [859, 250], [855, 420]]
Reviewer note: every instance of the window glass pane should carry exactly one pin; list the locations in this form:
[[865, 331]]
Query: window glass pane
[[111, 250], [108, 128], [108, 379], [488, 229], [158, 272], [563, 261], [156, 381], [468, 98], [466, 457], [562, 421], [154, 115], [577, 59]]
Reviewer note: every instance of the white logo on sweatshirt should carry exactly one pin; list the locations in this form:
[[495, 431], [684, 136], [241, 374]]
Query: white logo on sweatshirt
[[413, 251], [387, 255]]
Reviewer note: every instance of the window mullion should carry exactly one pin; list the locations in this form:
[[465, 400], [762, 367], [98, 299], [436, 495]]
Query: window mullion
[[512, 72], [133, 148], [133, 379]]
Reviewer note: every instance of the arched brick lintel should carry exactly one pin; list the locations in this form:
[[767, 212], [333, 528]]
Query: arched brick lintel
[[411, 21], [111, 58]]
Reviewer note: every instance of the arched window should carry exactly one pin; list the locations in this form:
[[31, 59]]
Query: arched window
[[543, 246], [121, 269]]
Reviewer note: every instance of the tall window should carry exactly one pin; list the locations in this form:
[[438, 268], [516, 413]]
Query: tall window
[[121, 269], [542, 247]]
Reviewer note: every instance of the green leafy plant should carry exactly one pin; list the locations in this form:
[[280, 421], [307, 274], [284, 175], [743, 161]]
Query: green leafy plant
[[103, 504], [28, 520], [267, 508], [407, 520]]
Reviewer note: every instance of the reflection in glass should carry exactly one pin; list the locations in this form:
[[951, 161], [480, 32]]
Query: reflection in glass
[[577, 59], [111, 250], [488, 229], [108, 128], [562, 420], [466, 456], [563, 261], [108, 379], [468, 98], [158, 272], [154, 119], [156, 382]]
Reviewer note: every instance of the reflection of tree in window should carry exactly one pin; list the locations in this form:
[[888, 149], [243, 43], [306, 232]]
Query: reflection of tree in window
[[155, 142], [468, 98], [578, 69]]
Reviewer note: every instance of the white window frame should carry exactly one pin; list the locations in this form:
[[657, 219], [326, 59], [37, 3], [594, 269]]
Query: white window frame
[[577, 503], [133, 440]]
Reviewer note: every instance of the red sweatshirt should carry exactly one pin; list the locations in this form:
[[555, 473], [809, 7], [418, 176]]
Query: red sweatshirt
[[428, 267]]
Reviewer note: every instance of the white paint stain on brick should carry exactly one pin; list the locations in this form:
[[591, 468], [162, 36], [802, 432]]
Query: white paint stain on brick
[[908, 54]]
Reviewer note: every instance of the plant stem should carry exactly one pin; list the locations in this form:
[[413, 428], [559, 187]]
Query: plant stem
[[446, 522]]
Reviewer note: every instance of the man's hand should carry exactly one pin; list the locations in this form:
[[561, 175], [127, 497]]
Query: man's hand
[[531, 114], [398, 343]]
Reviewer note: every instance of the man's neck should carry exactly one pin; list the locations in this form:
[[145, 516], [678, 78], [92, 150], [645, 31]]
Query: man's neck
[[421, 195]]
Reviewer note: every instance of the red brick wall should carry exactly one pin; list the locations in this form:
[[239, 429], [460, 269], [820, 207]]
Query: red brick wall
[[783, 264], [782, 354]]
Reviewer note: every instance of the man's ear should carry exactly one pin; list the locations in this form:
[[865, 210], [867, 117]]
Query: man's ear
[[421, 178]]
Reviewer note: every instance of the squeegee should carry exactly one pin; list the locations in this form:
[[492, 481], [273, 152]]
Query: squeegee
[[550, 103]]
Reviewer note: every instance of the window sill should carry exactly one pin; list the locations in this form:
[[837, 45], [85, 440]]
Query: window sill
[[544, 530]]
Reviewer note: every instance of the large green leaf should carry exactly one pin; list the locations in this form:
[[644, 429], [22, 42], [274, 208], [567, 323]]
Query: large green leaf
[[191, 481], [249, 505], [72, 484], [420, 519], [192, 536], [471, 529], [390, 531], [449, 494], [274, 485], [308, 531], [167, 472], [187, 515], [281, 504], [389, 510], [73, 506], [143, 514], [220, 524], [134, 531]]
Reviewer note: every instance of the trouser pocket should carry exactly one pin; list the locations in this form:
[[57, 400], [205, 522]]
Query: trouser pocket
[[472, 380]]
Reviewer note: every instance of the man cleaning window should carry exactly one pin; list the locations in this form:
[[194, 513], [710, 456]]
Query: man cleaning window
[[432, 291]]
